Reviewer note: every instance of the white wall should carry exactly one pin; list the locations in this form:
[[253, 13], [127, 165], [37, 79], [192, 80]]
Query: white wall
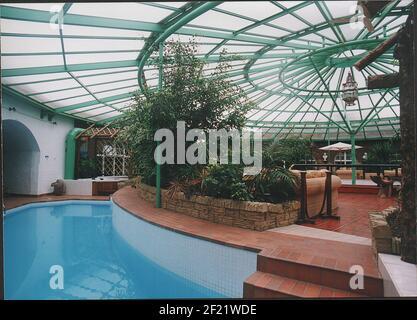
[[80, 187], [21, 158], [50, 138], [21, 171]]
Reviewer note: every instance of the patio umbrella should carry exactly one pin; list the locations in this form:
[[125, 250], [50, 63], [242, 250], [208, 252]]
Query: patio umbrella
[[340, 146]]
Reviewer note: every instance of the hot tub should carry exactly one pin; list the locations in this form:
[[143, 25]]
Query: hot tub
[[102, 185], [111, 178]]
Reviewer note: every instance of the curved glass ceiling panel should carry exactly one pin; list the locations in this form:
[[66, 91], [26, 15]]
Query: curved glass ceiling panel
[[291, 58], [123, 10]]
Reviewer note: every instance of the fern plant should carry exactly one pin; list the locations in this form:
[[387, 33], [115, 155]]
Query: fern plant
[[275, 184], [225, 181], [380, 152]]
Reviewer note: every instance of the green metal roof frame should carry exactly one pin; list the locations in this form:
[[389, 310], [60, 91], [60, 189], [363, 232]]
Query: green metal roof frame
[[294, 79]]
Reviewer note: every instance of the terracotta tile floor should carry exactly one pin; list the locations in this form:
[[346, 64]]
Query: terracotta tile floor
[[353, 211], [16, 201], [313, 251]]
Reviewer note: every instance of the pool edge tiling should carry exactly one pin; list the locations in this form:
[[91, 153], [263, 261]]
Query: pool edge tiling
[[174, 265], [219, 268], [317, 254], [127, 199], [274, 253], [11, 202]]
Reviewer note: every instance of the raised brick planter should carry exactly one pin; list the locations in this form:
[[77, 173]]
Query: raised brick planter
[[258, 216], [382, 238]]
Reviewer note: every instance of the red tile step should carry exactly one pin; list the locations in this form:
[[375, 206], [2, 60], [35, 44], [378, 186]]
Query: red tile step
[[358, 189], [266, 285], [319, 274]]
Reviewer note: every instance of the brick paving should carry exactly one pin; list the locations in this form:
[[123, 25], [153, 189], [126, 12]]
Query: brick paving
[[309, 250], [353, 211], [309, 261]]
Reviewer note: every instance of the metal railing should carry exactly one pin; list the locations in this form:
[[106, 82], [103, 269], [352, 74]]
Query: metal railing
[[309, 217], [366, 168]]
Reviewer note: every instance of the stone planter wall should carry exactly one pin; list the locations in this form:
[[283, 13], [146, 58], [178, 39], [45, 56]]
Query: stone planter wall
[[258, 216], [382, 238]]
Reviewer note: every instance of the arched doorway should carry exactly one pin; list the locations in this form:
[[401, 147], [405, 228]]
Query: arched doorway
[[21, 156]]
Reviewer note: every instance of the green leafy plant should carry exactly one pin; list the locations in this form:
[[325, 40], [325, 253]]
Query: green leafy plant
[[380, 153], [189, 180], [225, 181], [204, 101], [187, 186], [288, 151], [394, 222], [87, 168], [275, 184]]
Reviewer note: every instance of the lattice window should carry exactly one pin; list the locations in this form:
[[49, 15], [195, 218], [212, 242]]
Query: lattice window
[[343, 158], [112, 158]]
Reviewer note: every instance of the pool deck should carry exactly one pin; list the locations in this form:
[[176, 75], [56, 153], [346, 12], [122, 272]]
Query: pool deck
[[353, 211], [14, 201], [288, 265]]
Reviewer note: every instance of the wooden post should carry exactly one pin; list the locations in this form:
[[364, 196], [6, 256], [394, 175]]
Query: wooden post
[[303, 215], [370, 10], [328, 193], [384, 81], [303, 198], [405, 54], [374, 54], [328, 196]]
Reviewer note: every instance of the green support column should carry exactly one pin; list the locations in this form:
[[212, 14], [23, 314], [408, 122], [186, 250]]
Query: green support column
[[353, 156], [70, 153], [158, 154], [158, 178]]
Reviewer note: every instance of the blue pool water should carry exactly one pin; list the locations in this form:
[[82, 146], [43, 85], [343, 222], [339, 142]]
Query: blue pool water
[[107, 253]]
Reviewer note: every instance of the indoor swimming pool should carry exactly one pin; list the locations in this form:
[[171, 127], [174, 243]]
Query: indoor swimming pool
[[96, 250]]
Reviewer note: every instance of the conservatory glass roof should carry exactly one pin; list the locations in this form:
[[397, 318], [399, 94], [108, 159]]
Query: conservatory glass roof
[[85, 60]]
